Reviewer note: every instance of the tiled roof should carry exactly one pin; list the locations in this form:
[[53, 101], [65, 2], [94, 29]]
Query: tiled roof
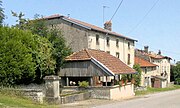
[[114, 64], [86, 25], [152, 55], [156, 56], [143, 63]]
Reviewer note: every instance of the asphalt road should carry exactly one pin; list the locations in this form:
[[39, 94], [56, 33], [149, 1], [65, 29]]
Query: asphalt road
[[170, 99]]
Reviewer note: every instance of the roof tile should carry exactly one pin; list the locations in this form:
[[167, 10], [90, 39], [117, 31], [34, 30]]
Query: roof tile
[[112, 63], [88, 25], [143, 63]]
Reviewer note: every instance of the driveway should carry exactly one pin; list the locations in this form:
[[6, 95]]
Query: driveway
[[170, 99]]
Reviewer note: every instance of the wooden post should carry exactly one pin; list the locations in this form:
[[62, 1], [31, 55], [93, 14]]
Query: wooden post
[[91, 81], [67, 81], [106, 80]]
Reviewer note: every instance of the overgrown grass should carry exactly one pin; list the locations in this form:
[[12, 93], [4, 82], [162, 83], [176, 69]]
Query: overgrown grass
[[10, 98], [155, 90]]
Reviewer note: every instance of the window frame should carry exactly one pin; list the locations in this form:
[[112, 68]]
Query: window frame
[[129, 59], [117, 42], [108, 41], [117, 54], [97, 39]]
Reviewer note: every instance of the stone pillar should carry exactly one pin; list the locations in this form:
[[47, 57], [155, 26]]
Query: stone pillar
[[52, 89]]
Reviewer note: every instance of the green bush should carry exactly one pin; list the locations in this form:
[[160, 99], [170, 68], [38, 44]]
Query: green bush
[[137, 76], [83, 84], [24, 57]]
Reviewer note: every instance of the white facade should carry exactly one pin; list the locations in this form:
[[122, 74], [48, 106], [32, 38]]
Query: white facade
[[121, 49], [163, 66], [147, 74]]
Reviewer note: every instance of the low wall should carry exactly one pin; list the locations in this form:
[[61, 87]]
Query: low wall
[[75, 97], [113, 92], [107, 92], [35, 94], [122, 92]]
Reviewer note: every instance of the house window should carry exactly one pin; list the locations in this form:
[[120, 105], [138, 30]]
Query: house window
[[117, 42], [129, 56], [107, 41], [108, 52], [117, 54], [97, 39], [129, 45], [145, 70]]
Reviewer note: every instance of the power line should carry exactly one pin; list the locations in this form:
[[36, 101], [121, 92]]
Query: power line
[[143, 17], [116, 10]]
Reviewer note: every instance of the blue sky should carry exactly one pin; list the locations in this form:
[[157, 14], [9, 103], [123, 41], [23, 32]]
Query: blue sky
[[160, 29]]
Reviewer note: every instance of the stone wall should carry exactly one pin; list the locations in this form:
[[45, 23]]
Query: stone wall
[[34, 94], [75, 97], [109, 92]]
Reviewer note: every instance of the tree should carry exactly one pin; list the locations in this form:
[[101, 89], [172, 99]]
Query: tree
[[61, 50], [38, 26], [2, 16], [24, 57], [15, 57], [137, 77], [176, 72]]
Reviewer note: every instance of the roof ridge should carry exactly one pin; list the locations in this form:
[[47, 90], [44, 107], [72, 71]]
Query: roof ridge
[[89, 55]]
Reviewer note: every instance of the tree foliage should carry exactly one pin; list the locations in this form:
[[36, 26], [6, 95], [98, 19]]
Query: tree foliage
[[137, 77], [2, 16], [176, 72], [38, 26], [24, 57]]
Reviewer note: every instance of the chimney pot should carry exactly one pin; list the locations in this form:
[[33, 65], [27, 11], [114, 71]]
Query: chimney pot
[[108, 25], [146, 49], [159, 52]]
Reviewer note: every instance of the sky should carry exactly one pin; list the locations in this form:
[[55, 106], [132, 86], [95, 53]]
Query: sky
[[157, 26]]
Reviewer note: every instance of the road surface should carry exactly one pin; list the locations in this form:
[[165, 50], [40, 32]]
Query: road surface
[[170, 99]]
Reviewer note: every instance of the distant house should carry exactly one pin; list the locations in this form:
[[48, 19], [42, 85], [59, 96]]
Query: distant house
[[163, 62], [103, 72], [80, 35], [148, 71]]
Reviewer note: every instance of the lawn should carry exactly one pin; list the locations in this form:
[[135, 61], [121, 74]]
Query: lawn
[[155, 90]]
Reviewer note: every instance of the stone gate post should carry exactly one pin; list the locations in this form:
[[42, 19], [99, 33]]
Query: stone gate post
[[52, 89]]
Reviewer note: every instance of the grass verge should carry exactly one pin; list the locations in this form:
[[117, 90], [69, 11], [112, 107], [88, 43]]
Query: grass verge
[[10, 99], [155, 90]]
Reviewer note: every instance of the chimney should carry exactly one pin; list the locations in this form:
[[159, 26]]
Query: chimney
[[108, 25], [146, 49], [159, 52]]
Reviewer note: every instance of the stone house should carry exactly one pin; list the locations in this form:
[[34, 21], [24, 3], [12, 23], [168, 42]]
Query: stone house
[[163, 62], [80, 35], [103, 72], [148, 71]]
